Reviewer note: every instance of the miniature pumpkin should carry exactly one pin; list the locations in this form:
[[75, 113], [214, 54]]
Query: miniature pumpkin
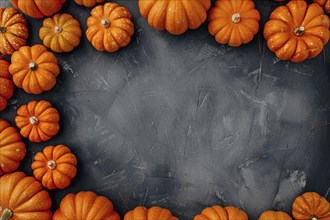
[[6, 85], [272, 215], [34, 69], [38, 121], [325, 4], [220, 213], [38, 8], [12, 149], [297, 31], [175, 16], [110, 27], [61, 33], [22, 197], [88, 3], [311, 206], [13, 30], [155, 212], [234, 22], [85, 205]]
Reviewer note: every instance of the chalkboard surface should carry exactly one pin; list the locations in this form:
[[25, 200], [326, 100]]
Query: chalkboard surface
[[184, 123]]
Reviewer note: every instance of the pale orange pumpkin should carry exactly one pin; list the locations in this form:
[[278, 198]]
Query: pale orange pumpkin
[[110, 27], [88, 3], [175, 16], [297, 31], [13, 30], [38, 121], [273, 215], [218, 212], [234, 22], [325, 4], [34, 69], [6, 85], [12, 149], [155, 212]]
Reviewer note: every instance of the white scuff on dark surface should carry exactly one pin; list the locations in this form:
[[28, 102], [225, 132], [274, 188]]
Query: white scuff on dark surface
[[184, 123]]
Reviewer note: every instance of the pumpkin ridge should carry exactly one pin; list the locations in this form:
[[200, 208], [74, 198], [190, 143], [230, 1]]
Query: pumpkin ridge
[[30, 183]]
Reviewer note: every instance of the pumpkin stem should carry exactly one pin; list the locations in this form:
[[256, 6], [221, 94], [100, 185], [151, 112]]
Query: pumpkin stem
[[7, 214], [314, 218], [3, 30], [33, 66], [34, 120], [51, 164], [299, 31], [105, 23], [58, 30], [236, 18]]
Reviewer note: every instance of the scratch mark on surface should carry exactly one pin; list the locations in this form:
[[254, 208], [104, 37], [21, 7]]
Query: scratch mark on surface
[[122, 199]]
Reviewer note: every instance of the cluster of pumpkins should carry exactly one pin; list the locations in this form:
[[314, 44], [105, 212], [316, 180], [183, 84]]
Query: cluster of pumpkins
[[294, 32]]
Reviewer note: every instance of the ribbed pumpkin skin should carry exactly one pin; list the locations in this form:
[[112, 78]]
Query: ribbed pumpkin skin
[[153, 213], [297, 31], [12, 149], [115, 32], [6, 85], [232, 30], [272, 215], [38, 121], [175, 16], [325, 4], [220, 213], [88, 3], [55, 167], [38, 8], [33, 205], [310, 205], [38, 78], [13, 31], [61, 33], [85, 206]]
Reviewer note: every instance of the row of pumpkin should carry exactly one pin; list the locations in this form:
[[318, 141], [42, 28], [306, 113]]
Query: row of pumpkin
[[295, 32]]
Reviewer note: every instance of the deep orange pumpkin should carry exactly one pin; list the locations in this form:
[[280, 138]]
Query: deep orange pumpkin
[[155, 212], [88, 3], [6, 85], [325, 4], [219, 213], [273, 215]]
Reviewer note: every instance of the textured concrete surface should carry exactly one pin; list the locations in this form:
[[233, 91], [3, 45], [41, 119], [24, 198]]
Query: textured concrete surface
[[184, 123]]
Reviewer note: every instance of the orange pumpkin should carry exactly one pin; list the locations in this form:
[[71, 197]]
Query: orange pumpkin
[[13, 31], [175, 16], [61, 33], [85, 205], [297, 31], [38, 8], [38, 121], [55, 167], [311, 206], [220, 213], [272, 215], [88, 3], [325, 4], [12, 149], [110, 27], [234, 22], [6, 85], [22, 198], [34, 69], [155, 212]]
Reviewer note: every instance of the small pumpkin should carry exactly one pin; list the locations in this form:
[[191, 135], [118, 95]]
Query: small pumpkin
[[22, 197], [13, 31], [85, 205], [38, 8], [311, 206], [110, 27], [297, 31], [12, 149], [234, 22], [34, 69], [325, 4], [155, 212], [220, 213], [61, 33], [88, 3], [38, 121], [55, 167], [273, 215], [6, 85], [175, 16]]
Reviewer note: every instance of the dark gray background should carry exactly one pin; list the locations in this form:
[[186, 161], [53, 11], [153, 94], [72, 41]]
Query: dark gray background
[[184, 123]]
